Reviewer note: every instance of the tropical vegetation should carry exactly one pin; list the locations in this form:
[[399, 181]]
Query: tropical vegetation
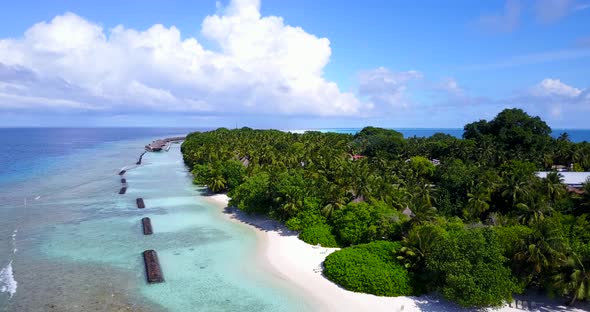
[[465, 217]]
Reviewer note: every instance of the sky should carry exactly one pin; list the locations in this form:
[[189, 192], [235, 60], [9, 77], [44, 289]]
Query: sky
[[292, 64]]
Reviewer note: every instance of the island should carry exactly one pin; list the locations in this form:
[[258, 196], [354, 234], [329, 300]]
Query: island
[[471, 218]]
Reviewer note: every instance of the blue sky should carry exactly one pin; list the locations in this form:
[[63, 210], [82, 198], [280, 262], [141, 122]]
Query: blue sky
[[292, 64]]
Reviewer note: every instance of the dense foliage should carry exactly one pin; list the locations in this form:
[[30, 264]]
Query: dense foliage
[[369, 268], [450, 202], [468, 267], [320, 233]]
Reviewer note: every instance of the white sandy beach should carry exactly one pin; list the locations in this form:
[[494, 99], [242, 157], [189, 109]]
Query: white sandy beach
[[300, 263]]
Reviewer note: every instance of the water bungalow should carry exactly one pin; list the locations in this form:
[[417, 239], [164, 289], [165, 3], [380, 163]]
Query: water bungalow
[[158, 145]]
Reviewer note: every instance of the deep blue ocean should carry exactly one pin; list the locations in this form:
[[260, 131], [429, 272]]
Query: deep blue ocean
[[576, 135], [30, 151]]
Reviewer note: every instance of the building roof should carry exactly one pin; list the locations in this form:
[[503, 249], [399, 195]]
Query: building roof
[[408, 212], [569, 177]]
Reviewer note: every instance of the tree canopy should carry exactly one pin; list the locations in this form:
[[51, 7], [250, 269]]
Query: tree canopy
[[476, 225]]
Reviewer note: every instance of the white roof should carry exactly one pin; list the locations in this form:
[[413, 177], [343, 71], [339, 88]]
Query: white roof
[[569, 177]]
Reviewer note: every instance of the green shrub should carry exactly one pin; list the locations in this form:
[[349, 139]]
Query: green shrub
[[468, 267], [510, 237], [319, 234], [303, 220], [369, 268]]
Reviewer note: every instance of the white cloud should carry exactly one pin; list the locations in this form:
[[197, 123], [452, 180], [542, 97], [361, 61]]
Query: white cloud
[[554, 98], [533, 58], [545, 11], [554, 87], [550, 11], [506, 21], [451, 86], [385, 88], [261, 65]]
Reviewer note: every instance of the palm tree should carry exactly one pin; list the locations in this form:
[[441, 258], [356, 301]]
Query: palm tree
[[548, 159], [217, 183], [554, 187], [420, 202], [574, 277], [515, 189], [478, 202], [533, 212], [540, 250], [564, 136]]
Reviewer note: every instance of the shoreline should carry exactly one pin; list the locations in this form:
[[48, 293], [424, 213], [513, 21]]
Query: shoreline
[[284, 255]]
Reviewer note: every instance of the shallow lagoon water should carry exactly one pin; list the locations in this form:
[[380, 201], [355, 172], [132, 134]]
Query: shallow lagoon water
[[79, 242]]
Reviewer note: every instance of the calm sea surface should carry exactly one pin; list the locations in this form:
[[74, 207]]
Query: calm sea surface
[[576, 135], [70, 242]]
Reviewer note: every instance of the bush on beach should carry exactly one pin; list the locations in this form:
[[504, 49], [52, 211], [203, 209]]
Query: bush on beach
[[369, 268]]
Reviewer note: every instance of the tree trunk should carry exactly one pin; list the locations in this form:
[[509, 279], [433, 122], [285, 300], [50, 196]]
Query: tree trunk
[[571, 303]]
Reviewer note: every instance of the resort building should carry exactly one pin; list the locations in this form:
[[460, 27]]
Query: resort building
[[573, 180]]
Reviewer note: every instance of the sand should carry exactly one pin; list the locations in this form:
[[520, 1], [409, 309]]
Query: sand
[[285, 255]]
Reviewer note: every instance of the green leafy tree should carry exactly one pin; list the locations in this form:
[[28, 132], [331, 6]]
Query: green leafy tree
[[422, 166], [253, 195], [468, 267], [353, 223]]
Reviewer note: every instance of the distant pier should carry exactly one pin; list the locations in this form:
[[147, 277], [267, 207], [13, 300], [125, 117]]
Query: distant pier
[[140, 158], [161, 144]]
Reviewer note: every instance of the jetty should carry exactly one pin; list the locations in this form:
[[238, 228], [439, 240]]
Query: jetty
[[140, 203], [161, 144], [140, 158], [152, 267], [147, 226]]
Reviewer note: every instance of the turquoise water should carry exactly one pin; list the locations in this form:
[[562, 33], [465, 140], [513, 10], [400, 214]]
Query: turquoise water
[[75, 245]]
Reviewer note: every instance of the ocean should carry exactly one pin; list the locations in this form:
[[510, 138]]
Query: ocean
[[70, 242], [576, 135]]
